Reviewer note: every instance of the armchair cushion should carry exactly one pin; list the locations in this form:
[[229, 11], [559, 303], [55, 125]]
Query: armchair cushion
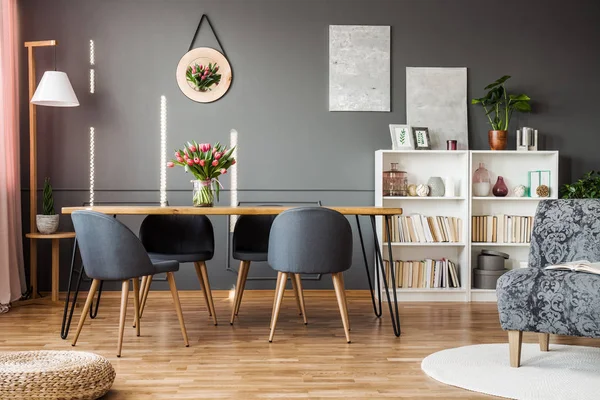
[[557, 302]]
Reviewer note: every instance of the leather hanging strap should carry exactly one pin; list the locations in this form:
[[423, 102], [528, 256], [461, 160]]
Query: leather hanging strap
[[204, 16]]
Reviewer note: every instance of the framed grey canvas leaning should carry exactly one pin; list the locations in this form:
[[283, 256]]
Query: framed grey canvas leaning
[[401, 137], [359, 68]]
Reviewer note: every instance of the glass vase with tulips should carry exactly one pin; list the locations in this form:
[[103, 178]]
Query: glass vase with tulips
[[206, 163]]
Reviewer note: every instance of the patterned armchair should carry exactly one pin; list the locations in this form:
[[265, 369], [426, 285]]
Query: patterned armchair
[[557, 302]]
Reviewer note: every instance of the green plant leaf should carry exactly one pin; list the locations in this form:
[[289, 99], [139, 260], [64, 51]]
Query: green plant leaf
[[497, 82]]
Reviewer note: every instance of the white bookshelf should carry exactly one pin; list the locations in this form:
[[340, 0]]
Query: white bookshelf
[[420, 166], [513, 166]]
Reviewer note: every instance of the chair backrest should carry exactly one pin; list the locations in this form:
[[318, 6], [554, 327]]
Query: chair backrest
[[565, 230], [109, 249], [310, 240], [251, 233], [178, 234]]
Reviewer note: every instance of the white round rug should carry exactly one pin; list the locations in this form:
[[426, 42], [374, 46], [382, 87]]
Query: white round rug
[[565, 372]]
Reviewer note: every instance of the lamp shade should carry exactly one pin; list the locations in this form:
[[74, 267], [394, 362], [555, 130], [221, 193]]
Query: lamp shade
[[55, 90]]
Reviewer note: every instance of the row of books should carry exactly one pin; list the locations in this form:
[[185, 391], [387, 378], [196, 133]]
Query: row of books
[[501, 228], [426, 274], [418, 228]]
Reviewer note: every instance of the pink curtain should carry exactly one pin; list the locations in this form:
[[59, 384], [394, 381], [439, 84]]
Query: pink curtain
[[12, 282]]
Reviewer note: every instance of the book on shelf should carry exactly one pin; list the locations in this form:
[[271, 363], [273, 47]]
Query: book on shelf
[[418, 228], [578, 266], [423, 274], [501, 228]]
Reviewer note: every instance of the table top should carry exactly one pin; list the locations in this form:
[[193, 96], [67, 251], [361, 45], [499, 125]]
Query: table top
[[55, 235], [255, 210]]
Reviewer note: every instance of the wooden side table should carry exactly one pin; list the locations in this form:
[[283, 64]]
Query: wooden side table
[[55, 237]]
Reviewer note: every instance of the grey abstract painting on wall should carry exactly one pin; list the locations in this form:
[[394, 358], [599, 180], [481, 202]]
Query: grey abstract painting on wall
[[436, 98], [359, 68]]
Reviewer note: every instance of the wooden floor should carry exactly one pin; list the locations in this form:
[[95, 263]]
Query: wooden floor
[[237, 362]]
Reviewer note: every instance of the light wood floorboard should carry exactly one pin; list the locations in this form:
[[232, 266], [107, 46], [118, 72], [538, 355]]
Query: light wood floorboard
[[238, 362]]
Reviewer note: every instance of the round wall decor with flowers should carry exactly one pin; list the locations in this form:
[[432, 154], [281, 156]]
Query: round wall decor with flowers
[[204, 74]]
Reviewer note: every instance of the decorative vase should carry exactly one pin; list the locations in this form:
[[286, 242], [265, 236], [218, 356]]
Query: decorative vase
[[395, 182], [481, 182], [497, 140], [47, 224], [500, 189], [449, 187], [436, 186], [203, 194]]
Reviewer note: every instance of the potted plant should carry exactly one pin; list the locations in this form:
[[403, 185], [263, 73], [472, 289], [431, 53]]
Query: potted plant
[[499, 107], [587, 187], [47, 222], [206, 163]]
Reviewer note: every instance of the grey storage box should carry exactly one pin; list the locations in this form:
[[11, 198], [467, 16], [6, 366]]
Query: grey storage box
[[485, 279], [490, 263]]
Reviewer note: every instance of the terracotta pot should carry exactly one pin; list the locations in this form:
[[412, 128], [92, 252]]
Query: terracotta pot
[[497, 140]]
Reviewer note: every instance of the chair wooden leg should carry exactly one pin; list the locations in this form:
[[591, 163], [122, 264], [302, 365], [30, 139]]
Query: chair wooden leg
[[278, 298], [297, 285], [345, 299], [243, 287], [86, 309], [124, 296], [175, 294], [340, 294], [205, 287], [136, 305], [544, 341], [144, 289], [515, 339], [239, 287], [279, 276]]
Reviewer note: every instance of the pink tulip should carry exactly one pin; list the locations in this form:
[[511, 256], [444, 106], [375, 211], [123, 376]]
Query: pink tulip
[[185, 157], [204, 147], [193, 148], [233, 162], [202, 163], [170, 164], [216, 68], [177, 154], [201, 68], [179, 159], [194, 70], [215, 163], [196, 160], [203, 78], [218, 155], [207, 69], [190, 162], [223, 171]]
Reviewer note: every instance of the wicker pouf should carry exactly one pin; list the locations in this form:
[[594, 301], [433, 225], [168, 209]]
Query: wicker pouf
[[54, 375]]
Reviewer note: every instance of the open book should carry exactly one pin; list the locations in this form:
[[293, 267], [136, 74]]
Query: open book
[[578, 266]]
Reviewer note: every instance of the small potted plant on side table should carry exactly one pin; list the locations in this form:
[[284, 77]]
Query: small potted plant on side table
[[499, 106], [47, 222]]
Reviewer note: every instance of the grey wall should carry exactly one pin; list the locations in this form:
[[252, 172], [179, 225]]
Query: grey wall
[[290, 146]]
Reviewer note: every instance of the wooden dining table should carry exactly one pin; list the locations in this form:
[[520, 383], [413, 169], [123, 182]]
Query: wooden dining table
[[379, 273]]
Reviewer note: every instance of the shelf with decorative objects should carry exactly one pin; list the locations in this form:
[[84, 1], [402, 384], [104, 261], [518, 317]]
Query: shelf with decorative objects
[[457, 168]]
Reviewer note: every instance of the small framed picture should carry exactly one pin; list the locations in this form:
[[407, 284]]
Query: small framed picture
[[421, 138], [401, 137]]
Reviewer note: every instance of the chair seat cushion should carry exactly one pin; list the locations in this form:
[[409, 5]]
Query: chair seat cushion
[[250, 255], [165, 265], [557, 302], [50, 374], [182, 258]]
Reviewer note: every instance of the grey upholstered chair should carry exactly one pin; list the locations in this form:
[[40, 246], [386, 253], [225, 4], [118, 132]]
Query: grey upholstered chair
[[111, 252], [554, 302], [310, 240], [251, 243], [184, 238]]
